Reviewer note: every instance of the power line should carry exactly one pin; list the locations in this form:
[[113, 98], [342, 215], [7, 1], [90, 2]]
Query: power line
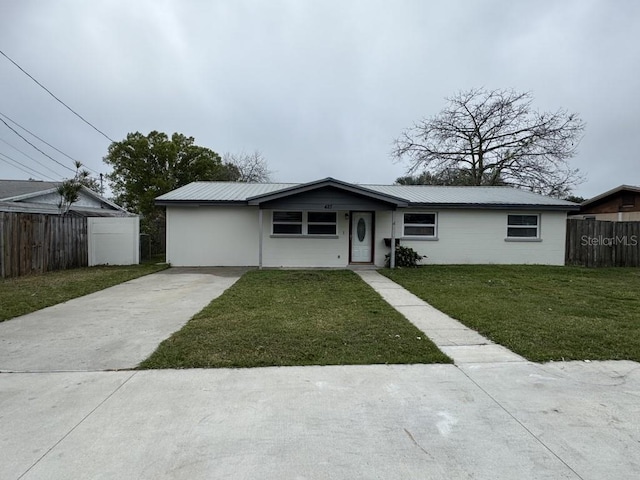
[[44, 141], [29, 156], [64, 104], [20, 166], [45, 154]]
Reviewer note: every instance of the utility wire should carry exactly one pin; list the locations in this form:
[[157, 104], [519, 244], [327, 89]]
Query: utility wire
[[44, 141], [22, 166], [64, 104], [29, 156], [45, 154]]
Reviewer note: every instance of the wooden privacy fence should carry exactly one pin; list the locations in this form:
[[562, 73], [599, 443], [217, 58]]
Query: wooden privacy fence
[[37, 243], [595, 243]]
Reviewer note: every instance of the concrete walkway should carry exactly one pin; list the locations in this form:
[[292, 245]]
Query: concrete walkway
[[460, 343], [111, 329]]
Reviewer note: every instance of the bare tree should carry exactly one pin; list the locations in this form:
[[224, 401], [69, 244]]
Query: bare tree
[[447, 177], [496, 138], [252, 167]]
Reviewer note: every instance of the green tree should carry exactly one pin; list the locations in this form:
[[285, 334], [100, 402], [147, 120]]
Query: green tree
[[145, 167], [575, 199], [495, 137], [69, 190]]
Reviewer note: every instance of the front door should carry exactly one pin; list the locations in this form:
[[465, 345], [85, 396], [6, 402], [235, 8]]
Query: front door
[[361, 237]]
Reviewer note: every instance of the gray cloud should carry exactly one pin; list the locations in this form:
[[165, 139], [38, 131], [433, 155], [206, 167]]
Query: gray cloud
[[321, 88]]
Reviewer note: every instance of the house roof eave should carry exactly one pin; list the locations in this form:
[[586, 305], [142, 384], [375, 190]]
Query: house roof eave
[[497, 206], [200, 203], [327, 182], [617, 189]]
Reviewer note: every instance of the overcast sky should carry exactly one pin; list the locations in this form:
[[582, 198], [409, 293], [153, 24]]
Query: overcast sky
[[321, 88]]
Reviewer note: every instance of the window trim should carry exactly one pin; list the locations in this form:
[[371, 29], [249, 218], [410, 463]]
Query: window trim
[[304, 225], [420, 237], [536, 238], [274, 223], [334, 223]]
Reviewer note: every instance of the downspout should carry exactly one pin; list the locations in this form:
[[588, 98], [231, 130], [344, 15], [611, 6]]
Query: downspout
[[392, 259], [259, 238]]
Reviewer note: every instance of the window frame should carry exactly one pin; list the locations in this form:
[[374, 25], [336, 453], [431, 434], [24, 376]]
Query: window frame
[[280, 222], [310, 223], [420, 237], [512, 238], [304, 224]]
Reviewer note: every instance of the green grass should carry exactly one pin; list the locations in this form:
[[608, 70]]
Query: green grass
[[22, 295], [296, 317], [540, 312]]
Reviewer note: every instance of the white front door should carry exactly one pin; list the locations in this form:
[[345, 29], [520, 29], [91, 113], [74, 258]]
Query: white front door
[[361, 237]]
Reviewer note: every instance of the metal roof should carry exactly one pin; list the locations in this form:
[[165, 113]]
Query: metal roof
[[433, 194], [415, 195], [222, 191]]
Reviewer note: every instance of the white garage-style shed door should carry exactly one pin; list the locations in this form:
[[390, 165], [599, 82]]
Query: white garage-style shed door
[[114, 240]]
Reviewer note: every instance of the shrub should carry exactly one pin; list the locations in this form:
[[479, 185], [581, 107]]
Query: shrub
[[405, 257]]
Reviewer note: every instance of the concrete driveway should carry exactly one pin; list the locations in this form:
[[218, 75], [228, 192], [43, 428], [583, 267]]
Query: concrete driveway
[[498, 418], [486, 421], [111, 329]]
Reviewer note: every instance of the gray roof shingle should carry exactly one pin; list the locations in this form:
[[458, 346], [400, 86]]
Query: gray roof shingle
[[15, 188]]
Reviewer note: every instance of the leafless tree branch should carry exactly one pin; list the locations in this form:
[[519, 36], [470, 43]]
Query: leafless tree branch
[[496, 137]]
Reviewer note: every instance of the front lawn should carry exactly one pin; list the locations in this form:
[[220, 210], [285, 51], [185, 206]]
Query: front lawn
[[27, 294], [541, 312], [296, 317]]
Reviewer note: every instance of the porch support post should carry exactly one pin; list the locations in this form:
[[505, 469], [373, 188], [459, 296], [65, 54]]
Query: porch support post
[[259, 238], [392, 259]]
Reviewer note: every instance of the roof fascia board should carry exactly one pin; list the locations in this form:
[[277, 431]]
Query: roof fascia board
[[620, 188], [327, 182], [496, 206], [201, 203]]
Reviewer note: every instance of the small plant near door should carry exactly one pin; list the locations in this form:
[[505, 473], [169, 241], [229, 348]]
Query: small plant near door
[[405, 257]]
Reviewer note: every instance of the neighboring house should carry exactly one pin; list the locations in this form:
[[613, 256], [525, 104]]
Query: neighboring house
[[330, 223], [34, 196], [621, 204]]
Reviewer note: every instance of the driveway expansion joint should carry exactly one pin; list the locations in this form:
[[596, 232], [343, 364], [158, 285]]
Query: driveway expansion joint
[[72, 429], [524, 427]]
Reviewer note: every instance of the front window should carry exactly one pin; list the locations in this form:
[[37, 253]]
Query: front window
[[523, 226], [289, 223], [304, 223], [321, 223], [419, 225]]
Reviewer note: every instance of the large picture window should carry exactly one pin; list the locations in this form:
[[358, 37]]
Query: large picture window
[[304, 223], [419, 225], [523, 226]]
